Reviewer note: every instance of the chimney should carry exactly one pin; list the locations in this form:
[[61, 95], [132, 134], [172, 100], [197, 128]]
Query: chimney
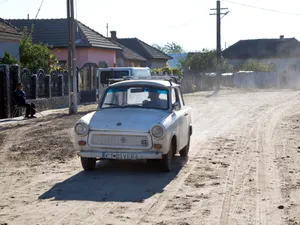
[[281, 37], [113, 35], [28, 16]]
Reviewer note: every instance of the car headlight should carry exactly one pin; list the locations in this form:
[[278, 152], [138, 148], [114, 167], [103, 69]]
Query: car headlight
[[81, 129], [158, 131]]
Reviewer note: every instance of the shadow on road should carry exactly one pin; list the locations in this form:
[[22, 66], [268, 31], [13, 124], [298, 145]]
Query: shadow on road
[[117, 181]]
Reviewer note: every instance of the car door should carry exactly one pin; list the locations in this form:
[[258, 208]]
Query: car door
[[179, 119], [185, 124]]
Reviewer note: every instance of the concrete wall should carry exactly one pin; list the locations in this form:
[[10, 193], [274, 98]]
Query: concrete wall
[[85, 55], [50, 103], [42, 104], [11, 47], [97, 55], [281, 64]]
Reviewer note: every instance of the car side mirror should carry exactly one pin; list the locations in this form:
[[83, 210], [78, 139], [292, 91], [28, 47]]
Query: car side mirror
[[176, 106]]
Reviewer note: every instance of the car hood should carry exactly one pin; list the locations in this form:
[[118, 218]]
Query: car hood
[[124, 119]]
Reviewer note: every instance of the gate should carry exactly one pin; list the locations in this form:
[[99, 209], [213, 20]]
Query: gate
[[87, 82], [27, 83], [4, 92]]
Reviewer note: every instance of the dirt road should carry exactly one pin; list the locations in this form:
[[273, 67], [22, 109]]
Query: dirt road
[[243, 168]]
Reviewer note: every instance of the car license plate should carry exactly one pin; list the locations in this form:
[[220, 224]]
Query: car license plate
[[130, 156]]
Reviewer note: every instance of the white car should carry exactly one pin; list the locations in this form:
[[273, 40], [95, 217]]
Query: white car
[[136, 119]]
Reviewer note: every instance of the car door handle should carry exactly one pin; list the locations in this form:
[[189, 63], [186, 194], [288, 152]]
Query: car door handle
[[186, 114]]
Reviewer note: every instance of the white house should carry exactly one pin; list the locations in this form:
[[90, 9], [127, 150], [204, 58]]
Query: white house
[[9, 39]]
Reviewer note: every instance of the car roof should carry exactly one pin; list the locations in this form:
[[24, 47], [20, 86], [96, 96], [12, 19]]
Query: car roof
[[158, 83]]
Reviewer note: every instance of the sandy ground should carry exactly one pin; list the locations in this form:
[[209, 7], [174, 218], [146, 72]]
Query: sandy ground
[[243, 168]]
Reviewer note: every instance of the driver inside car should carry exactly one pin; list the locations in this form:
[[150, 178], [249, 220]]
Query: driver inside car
[[155, 101]]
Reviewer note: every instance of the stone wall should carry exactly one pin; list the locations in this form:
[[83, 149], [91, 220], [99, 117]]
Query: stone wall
[[51, 103]]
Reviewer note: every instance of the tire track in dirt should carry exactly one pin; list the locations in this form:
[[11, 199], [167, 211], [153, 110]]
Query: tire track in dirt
[[232, 185], [156, 210], [237, 183], [287, 159], [157, 207], [268, 183]]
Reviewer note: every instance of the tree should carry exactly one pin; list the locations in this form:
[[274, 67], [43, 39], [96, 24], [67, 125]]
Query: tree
[[8, 59], [170, 47], [204, 61], [36, 56], [173, 48], [160, 48], [255, 65]]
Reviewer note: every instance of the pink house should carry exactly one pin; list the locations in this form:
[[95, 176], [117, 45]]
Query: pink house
[[91, 47]]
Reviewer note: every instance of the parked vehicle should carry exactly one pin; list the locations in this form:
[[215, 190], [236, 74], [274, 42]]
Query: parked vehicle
[[136, 119], [110, 75]]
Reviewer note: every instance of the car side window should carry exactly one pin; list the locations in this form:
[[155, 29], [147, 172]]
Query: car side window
[[175, 96]]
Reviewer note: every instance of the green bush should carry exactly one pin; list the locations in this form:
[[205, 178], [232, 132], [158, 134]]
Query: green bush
[[167, 70], [155, 71], [176, 71], [36, 56], [8, 59]]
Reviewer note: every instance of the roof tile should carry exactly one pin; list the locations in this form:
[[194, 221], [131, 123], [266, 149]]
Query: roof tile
[[55, 32], [6, 27], [263, 48], [143, 48], [128, 53]]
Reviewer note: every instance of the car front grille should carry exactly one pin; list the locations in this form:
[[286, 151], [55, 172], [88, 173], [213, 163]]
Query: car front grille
[[117, 140]]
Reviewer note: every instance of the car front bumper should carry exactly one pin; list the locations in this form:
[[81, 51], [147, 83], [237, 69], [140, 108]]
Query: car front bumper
[[121, 155]]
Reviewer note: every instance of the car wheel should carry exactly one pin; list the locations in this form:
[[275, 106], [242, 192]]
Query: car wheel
[[88, 163], [166, 161], [185, 151]]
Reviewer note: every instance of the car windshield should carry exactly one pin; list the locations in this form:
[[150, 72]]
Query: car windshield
[[136, 97]]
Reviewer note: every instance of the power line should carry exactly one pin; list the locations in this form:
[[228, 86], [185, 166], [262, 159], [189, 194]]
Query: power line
[[39, 10], [265, 9]]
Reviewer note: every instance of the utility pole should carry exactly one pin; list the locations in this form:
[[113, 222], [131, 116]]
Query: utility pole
[[72, 58], [219, 50]]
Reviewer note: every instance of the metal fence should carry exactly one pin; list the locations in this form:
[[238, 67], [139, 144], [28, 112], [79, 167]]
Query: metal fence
[[43, 85]]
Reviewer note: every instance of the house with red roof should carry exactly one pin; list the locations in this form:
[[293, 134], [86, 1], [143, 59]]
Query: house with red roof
[[91, 47]]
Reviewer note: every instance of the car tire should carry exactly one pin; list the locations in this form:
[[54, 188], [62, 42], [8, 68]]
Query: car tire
[[185, 151], [166, 161], [88, 164]]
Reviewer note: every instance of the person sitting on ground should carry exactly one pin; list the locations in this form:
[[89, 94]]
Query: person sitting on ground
[[20, 100]]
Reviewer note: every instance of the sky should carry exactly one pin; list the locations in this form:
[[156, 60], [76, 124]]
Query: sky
[[186, 23]]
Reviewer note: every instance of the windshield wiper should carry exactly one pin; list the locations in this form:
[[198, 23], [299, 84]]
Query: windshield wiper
[[133, 106], [112, 104]]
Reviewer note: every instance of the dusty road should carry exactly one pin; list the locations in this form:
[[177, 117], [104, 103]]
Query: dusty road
[[243, 168]]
